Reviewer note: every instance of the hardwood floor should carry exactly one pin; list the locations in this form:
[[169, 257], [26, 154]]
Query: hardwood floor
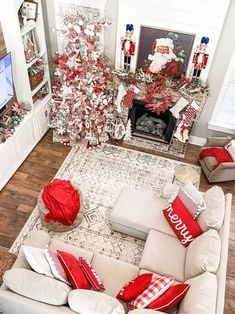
[[19, 197]]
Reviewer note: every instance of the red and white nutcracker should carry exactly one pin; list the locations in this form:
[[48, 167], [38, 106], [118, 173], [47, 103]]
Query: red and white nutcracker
[[186, 119], [200, 57], [128, 46]]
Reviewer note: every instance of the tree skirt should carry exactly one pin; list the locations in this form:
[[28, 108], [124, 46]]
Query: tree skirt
[[101, 173]]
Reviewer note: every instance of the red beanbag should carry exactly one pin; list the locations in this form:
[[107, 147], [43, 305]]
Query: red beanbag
[[62, 201], [133, 288], [181, 221], [170, 298], [91, 274], [73, 271]]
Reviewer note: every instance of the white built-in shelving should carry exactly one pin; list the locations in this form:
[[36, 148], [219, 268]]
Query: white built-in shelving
[[35, 124]]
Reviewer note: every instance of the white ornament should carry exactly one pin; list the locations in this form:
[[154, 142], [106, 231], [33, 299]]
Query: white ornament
[[80, 22]]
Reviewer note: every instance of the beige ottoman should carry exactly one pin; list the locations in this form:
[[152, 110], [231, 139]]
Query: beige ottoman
[[136, 213]]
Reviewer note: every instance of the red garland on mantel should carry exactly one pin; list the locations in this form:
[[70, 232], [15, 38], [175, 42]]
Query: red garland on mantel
[[157, 97]]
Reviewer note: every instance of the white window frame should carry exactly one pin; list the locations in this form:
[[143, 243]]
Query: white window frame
[[219, 116]]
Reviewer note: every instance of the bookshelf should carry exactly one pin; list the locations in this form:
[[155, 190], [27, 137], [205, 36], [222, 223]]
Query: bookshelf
[[35, 124]]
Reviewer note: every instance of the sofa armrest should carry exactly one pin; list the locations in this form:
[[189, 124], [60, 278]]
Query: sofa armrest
[[217, 141], [225, 165]]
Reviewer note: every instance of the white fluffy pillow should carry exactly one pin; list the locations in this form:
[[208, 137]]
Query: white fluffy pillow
[[37, 260], [90, 302]]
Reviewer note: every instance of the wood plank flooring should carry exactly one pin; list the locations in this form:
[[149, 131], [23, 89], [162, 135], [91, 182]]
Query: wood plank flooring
[[19, 197]]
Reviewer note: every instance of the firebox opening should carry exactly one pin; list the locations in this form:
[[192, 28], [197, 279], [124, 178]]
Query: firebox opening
[[150, 125]]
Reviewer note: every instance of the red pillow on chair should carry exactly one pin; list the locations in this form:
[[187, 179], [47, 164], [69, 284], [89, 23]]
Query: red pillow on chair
[[181, 221], [135, 287], [73, 271]]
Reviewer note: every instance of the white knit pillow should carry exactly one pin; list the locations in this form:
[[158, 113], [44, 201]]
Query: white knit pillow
[[230, 147]]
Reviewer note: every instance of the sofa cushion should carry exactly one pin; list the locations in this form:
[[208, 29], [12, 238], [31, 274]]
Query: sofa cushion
[[37, 287], [203, 254], [202, 295], [139, 211], [170, 298], [37, 260], [135, 287], [73, 271], [213, 216], [114, 273], [156, 288], [72, 249], [89, 302], [164, 254], [181, 221]]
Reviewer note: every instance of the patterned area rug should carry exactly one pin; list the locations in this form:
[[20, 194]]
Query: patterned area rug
[[101, 174]]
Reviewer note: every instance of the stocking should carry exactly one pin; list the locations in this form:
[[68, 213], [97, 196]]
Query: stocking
[[190, 113], [180, 105], [131, 93], [182, 131], [120, 95]]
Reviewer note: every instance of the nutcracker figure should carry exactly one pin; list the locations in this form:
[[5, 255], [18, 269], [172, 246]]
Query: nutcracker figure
[[128, 46], [200, 57]]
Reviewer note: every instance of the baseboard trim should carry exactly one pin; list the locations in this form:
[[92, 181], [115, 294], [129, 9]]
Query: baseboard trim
[[196, 140]]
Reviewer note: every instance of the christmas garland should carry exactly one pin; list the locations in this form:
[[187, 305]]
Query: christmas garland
[[19, 111]]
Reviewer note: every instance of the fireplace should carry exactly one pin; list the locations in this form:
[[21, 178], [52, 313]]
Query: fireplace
[[150, 125]]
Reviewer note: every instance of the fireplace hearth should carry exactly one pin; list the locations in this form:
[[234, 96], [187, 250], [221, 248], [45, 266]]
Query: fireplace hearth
[[150, 125]]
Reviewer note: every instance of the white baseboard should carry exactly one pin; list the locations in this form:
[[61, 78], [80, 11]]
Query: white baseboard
[[196, 140]]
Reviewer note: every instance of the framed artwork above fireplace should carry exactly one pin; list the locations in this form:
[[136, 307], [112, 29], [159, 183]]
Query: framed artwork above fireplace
[[164, 51]]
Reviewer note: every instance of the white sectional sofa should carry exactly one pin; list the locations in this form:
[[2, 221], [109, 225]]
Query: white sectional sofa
[[202, 265]]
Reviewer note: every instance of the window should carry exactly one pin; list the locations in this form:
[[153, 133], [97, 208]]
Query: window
[[223, 118]]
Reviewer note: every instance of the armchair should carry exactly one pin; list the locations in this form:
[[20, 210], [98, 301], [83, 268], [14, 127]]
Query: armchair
[[225, 171]]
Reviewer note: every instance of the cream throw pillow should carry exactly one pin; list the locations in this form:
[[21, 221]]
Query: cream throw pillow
[[202, 295], [37, 287], [213, 216], [203, 254], [37, 260], [93, 302]]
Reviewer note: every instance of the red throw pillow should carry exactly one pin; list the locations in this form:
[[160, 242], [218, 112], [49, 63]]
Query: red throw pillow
[[91, 274], [181, 221], [133, 288], [73, 271], [170, 298], [156, 288]]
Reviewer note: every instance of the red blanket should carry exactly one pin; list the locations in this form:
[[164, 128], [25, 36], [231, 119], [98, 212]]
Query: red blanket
[[62, 201], [220, 154]]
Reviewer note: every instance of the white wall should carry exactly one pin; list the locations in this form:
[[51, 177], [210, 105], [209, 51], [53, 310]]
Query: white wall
[[224, 50]]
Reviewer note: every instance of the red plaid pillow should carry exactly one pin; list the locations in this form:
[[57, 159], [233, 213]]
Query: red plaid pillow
[[181, 222], [91, 274], [133, 288], [156, 288]]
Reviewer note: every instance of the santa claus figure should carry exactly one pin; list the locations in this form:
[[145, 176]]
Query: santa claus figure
[[128, 46], [200, 57], [164, 59]]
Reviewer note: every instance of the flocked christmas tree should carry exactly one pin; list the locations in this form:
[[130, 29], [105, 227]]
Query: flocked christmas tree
[[82, 107]]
